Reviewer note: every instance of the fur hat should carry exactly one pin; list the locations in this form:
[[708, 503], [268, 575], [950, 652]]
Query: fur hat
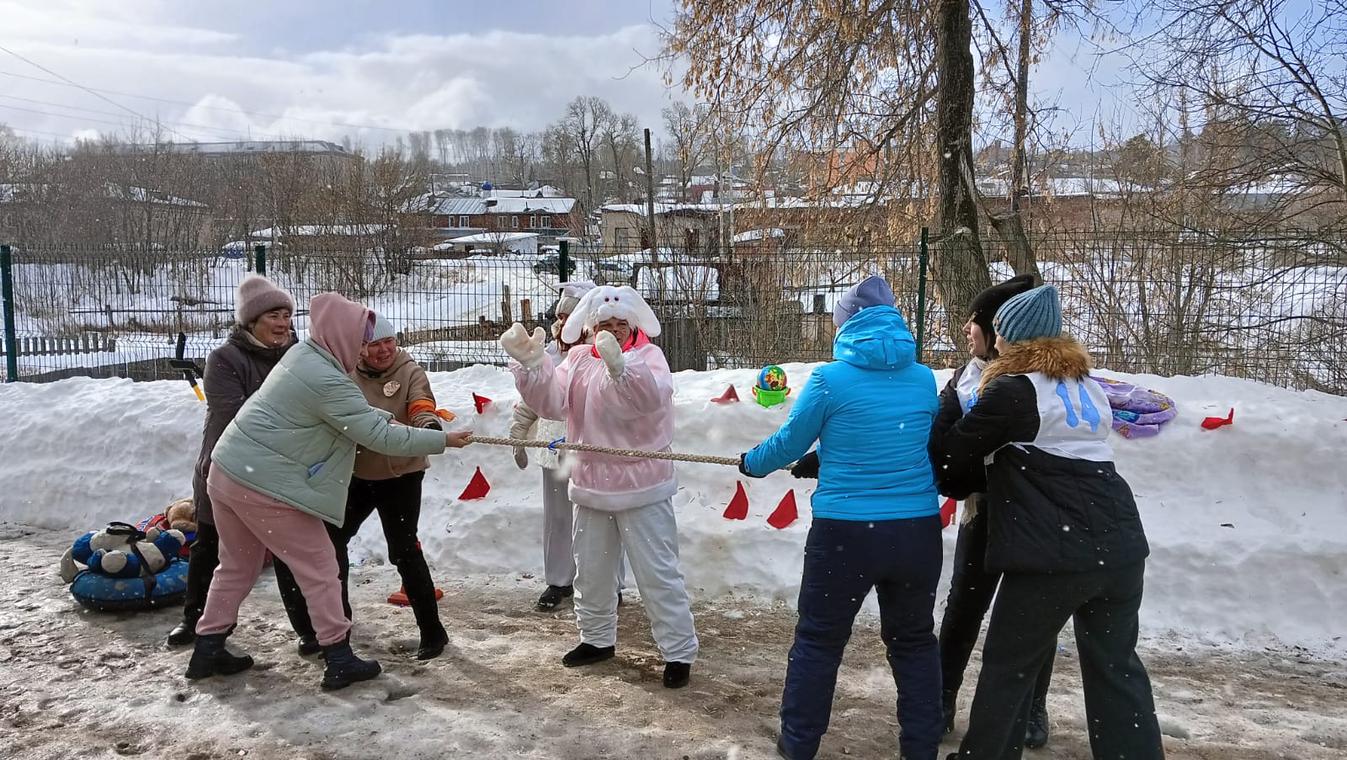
[[256, 296], [571, 293], [382, 329], [606, 302], [984, 306], [872, 291], [1030, 315]]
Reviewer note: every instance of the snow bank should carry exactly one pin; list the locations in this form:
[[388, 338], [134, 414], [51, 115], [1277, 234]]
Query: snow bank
[[1248, 524]]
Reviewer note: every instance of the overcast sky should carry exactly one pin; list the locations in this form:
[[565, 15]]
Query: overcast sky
[[265, 69]]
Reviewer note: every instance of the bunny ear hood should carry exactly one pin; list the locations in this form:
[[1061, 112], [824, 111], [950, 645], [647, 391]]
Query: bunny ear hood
[[606, 302], [571, 293]]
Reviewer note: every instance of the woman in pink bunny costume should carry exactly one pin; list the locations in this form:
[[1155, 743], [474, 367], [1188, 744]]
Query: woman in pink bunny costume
[[617, 393]]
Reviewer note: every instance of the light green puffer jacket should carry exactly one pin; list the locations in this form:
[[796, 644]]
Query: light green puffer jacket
[[295, 439]]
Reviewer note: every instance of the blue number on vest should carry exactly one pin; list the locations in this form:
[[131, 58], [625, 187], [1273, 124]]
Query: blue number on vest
[[972, 401], [1071, 419], [1087, 408]]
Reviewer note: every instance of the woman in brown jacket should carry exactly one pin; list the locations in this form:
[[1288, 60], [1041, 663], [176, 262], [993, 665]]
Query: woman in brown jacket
[[392, 381]]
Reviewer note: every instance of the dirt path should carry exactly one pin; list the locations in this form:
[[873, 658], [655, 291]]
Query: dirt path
[[74, 684]]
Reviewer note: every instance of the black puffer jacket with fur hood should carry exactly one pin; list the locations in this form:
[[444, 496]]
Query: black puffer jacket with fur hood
[[1035, 443]]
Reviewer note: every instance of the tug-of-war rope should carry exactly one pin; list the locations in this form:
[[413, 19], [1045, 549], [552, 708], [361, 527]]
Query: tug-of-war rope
[[561, 445]]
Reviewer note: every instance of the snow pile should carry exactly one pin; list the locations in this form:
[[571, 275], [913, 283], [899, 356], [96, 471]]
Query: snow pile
[[1248, 524]]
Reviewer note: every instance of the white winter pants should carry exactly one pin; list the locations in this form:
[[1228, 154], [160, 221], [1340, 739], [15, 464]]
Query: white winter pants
[[558, 556], [558, 532], [649, 535]]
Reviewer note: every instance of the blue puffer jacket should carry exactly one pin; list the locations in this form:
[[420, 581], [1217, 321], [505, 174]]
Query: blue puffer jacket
[[871, 412]]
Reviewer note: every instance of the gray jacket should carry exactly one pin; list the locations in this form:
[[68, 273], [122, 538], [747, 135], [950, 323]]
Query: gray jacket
[[234, 372]]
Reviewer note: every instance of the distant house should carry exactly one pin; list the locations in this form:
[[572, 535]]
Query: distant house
[[682, 226], [319, 236], [236, 148], [492, 242], [454, 217], [544, 191], [110, 214]]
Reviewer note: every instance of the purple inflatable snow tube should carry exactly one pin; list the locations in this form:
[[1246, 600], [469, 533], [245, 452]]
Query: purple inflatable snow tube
[[1137, 412]]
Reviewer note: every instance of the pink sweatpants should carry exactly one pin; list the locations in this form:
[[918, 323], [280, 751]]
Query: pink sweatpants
[[249, 524]]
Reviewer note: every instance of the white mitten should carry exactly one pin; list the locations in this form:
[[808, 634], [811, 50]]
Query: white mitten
[[611, 353], [524, 349]]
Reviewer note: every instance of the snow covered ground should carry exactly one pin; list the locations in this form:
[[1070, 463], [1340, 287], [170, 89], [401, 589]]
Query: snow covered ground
[[1245, 608], [1248, 524], [78, 684]]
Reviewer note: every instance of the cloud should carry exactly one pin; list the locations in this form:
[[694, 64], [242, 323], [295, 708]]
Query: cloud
[[96, 23], [370, 87]]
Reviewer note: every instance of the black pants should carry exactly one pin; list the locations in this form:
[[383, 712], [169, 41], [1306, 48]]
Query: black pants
[[1030, 610], [398, 502], [201, 564], [971, 589], [843, 560]]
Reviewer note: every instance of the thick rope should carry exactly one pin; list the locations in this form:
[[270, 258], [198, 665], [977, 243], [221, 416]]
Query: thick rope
[[671, 455]]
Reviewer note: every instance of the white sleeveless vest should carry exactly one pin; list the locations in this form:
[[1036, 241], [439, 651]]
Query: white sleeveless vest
[[1074, 419], [967, 387]]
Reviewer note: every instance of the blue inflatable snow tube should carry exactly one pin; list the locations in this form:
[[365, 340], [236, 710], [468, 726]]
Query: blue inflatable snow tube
[[105, 593]]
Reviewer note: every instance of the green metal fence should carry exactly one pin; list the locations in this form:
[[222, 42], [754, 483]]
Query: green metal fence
[[1266, 307]]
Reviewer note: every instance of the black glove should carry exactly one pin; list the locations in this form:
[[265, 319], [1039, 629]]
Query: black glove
[[434, 426], [806, 467], [743, 468]]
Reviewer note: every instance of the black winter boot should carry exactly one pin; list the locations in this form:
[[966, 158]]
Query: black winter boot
[[1036, 733], [308, 646], [677, 674], [210, 658], [587, 654], [553, 596], [183, 633], [432, 644], [344, 668], [949, 702]]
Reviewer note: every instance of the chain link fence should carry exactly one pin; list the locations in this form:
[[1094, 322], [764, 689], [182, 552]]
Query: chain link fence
[[1266, 307]]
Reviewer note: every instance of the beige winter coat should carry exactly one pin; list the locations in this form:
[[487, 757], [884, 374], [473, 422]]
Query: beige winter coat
[[394, 390]]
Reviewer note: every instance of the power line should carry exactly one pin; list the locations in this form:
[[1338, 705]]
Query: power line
[[188, 124], [59, 135], [246, 112], [73, 83], [75, 117]]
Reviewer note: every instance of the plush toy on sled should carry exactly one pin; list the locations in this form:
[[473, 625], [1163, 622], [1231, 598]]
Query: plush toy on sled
[[179, 516], [771, 388], [123, 568]]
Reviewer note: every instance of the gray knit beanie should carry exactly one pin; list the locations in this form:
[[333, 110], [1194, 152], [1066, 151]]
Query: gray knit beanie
[[256, 296]]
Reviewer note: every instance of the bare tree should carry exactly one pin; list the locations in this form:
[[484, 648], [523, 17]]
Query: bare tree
[[578, 136], [517, 155], [857, 83], [618, 133], [1266, 78], [686, 126]]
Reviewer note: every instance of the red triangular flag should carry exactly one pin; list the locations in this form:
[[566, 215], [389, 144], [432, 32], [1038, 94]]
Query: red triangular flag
[[480, 402], [738, 508], [785, 512], [1211, 423], [947, 512], [477, 487], [730, 396]]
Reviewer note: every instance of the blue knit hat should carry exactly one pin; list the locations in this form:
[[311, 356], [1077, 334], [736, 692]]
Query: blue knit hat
[[1032, 314], [872, 291], [382, 329]]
